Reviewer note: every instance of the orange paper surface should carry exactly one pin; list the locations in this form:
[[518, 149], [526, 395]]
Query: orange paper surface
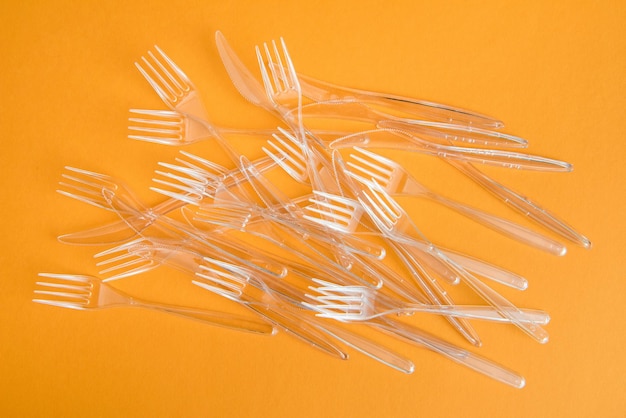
[[552, 71]]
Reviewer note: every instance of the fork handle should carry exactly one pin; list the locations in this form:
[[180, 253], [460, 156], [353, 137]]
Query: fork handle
[[504, 226], [454, 353], [370, 348], [222, 319], [487, 313], [522, 204], [298, 326], [487, 270]]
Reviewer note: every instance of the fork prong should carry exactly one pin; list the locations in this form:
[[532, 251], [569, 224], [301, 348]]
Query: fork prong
[[156, 117], [206, 165], [376, 169], [278, 84], [193, 182], [160, 75], [287, 153], [291, 75], [337, 301], [160, 126], [176, 69], [165, 75], [372, 203], [269, 89], [160, 91], [334, 203], [65, 290], [85, 186], [336, 212], [230, 216], [125, 260], [221, 277]]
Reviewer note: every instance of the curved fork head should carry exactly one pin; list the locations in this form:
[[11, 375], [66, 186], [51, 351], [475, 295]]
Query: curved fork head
[[165, 77], [232, 216], [87, 186], [165, 127], [283, 84], [193, 179], [367, 166], [333, 211], [67, 291], [222, 278], [381, 207], [286, 150], [343, 303], [128, 259], [99, 190]]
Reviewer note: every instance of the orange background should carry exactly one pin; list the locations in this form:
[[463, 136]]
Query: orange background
[[553, 71]]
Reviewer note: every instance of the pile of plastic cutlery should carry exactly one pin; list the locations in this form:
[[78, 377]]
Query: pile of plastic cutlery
[[345, 252]]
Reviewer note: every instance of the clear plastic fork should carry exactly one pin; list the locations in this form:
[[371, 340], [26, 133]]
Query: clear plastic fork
[[423, 339], [360, 303], [294, 317], [171, 84], [396, 224], [234, 283], [169, 127], [88, 292], [366, 165]]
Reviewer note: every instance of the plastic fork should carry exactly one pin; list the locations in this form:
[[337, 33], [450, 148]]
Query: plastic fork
[[194, 178], [360, 303], [147, 253], [233, 282], [171, 84], [393, 139], [314, 248], [395, 223], [106, 192], [286, 150], [522, 204], [366, 165], [88, 292], [254, 92], [281, 83], [253, 292], [424, 339], [321, 91], [169, 127]]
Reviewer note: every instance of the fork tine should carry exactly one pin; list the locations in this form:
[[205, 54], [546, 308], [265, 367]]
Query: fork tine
[[126, 260], [160, 91], [278, 84], [66, 291], [376, 169], [269, 89], [336, 301], [384, 208], [156, 117], [221, 277], [166, 85], [336, 212], [176, 69], [229, 216], [193, 181], [206, 165], [162, 126], [292, 81], [288, 154], [85, 186]]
